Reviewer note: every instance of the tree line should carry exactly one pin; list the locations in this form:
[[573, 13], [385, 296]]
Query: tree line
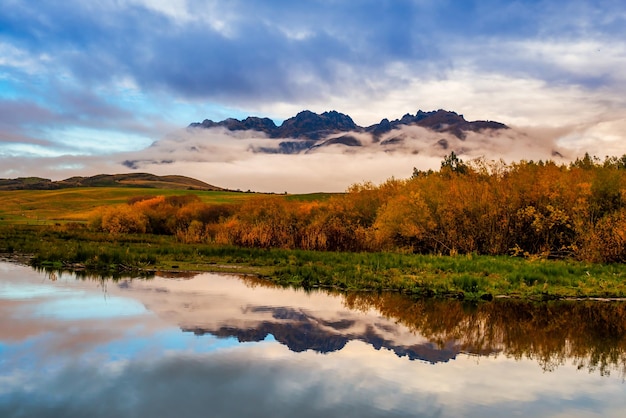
[[481, 207]]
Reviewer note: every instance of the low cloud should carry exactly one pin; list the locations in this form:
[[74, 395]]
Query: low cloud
[[232, 159]]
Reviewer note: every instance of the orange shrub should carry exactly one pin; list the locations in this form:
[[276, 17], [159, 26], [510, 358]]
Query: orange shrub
[[123, 220]]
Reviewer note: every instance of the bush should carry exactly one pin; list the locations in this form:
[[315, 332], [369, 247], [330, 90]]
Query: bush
[[123, 220]]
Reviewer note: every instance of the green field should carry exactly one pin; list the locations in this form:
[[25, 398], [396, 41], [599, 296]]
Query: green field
[[310, 197], [42, 207]]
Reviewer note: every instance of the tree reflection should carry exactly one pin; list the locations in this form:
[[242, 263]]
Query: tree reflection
[[590, 334]]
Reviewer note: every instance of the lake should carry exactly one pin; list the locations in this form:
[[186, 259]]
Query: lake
[[225, 346]]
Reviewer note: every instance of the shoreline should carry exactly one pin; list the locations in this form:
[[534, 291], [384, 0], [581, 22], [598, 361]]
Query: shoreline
[[424, 292]]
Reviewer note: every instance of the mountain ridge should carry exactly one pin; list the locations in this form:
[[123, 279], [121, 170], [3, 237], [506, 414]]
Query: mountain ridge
[[304, 131], [310, 125]]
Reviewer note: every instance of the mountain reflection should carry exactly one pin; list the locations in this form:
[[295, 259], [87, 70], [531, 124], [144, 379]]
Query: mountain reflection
[[95, 347], [304, 332], [589, 334]]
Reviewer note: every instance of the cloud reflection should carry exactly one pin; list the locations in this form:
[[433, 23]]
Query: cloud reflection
[[143, 365]]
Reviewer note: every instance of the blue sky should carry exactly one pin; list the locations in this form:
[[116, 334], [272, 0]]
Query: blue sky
[[92, 79]]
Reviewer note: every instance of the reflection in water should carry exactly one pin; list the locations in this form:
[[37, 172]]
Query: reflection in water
[[302, 332], [215, 345], [590, 334]]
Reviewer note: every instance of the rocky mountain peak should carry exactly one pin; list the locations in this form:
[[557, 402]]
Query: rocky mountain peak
[[310, 125], [307, 128]]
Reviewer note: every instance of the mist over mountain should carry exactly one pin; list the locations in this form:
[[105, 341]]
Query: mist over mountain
[[308, 130], [328, 151]]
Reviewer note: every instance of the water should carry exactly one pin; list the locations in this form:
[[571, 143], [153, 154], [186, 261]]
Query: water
[[223, 346]]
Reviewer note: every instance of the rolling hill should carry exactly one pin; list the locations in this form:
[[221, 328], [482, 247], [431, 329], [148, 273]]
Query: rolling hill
[[137, 180]]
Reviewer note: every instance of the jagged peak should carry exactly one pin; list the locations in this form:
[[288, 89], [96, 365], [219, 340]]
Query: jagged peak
[[308, 125]]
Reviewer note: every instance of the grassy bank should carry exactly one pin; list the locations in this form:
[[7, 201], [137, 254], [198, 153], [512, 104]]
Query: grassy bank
[[466, 276]]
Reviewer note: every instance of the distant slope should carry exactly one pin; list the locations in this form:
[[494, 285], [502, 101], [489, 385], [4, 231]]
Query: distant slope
[[143, 180]]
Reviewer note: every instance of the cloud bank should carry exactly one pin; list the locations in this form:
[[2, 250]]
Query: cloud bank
[[241, 160]]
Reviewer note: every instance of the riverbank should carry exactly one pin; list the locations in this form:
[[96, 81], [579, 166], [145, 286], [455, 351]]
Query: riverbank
[[460, 276]]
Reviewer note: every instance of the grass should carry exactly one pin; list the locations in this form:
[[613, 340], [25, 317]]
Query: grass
[[310, 197], [41, 207], [463, 277]]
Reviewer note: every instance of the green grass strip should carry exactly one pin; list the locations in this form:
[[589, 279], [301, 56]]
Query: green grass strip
[[465, 276]]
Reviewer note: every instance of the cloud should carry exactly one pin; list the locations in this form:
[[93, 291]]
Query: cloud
[[289, 52], [233, 159], [239, 159], [142, 68], [259, 58]]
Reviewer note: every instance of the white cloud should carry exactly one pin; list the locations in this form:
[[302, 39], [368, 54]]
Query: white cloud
[[605, 138], [562, 91], [20, 59], [518, 101], [175, 9], [215, 14], [232, 159], [588, 57]]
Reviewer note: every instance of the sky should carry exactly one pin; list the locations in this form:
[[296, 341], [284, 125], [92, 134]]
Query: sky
[[85, 86]]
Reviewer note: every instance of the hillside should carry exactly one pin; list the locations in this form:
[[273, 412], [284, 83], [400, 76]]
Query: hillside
[[138, 180]]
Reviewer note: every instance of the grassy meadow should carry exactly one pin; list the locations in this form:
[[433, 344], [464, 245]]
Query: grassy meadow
[[529, 230], [45, 207]]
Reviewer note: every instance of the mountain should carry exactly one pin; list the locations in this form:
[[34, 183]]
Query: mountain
[[305, 125], [439, 121], [108, 180], [308, 130], [300, 336]]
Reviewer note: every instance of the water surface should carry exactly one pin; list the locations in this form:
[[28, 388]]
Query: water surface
[[224, 346]]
